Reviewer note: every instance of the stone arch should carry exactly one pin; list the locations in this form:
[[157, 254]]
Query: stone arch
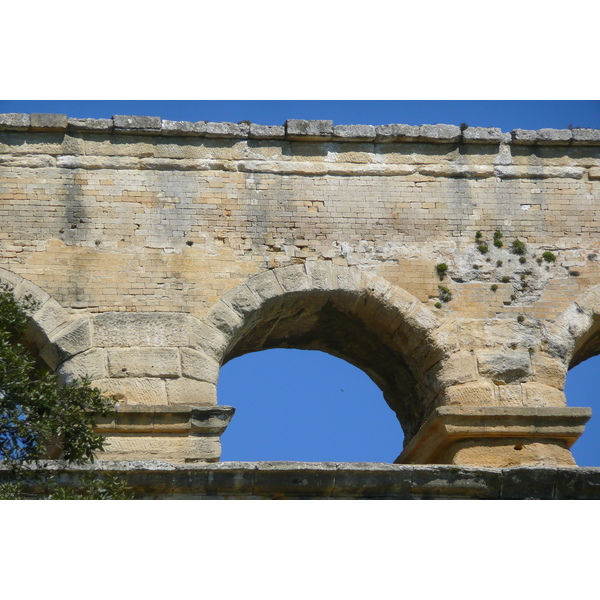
[[54, 334], [581, 324], [361, 318]]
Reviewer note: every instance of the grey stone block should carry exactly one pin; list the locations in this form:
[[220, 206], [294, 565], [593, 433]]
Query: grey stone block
[[440, 133], [482, 135], [373, 480], [101, 125], [275, 132], [581, 483], [397, 133], [524, 483], [554, 136], [183, 128], [48, 122], [524, 136], [295, 480], [582, 137], [227, 130], [447, 481], [301, 129], [354, 133], [135, 124], [14, 122], [507, 367]]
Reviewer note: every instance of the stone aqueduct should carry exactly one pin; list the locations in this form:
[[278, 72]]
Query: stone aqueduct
[[159, 250]]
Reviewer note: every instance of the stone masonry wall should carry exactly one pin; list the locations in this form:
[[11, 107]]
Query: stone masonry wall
[[142, 215]]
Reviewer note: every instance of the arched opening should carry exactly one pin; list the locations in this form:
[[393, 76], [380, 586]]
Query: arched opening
[[583, 389], [364, 320], [303, 405]]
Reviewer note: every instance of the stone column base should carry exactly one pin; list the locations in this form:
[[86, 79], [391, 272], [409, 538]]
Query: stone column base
[[180, 434], [497, 436]]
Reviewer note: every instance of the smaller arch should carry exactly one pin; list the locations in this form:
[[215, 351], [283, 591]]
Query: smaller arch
[[581, 322], [358, 317], [54, 335]]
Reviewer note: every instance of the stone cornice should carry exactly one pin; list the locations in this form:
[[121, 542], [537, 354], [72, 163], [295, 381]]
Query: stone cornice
[[299, 130]]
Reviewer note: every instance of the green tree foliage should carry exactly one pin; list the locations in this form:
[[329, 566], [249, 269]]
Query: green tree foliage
[[36, 412]]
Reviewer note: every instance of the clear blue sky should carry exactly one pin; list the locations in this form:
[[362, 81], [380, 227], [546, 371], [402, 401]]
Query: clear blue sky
[[301, 405]]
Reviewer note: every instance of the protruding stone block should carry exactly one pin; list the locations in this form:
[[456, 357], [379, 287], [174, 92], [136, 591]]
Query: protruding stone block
[[397, 133], [14, 122], [354, 133], [482, 135], [440, 133], [48, 122], [308, 130], [226, 130], [133, 124], [93, 125], [273, 132], [183, 128]]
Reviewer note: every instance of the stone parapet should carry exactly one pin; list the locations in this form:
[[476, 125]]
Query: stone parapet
[[299, 129], [296, 480]]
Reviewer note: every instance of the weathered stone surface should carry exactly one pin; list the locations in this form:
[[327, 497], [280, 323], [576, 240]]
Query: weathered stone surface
[[298, 128], [274, 132], [67, 342], [524, 136], [397, 133], [585, 136], [144, 362], [363, 133], [14, 122], [440, 133], [190, 392], [226, 130], [131, 390], [198, 366], [504, 367], [137, 124], [101, 125], [482, 135], [48, 122], [553, 136], [183, 128], [90, 364]]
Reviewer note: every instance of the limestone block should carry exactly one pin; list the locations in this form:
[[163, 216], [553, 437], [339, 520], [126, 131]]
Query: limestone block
[[164, 448], [97, 162], [509, 395], [293, 279], [190, 392], [90, 364], [306, 130], [457, 368], [133, 390], [14, 122], [184, 128], [267, 131], [469, 171], [440, 133], [144, 362], [483, 135], [140, 329], [504, 367], [103, 125], [397, 133], [512, 172], [321, 274], [594, 173], [583, 137], [354, 133], [197, 365], [227, 130], [207, 339], [242, 300], [50, 317], [135, 124], [524, 136], [48, 122], [29, 162], [554, 136], [68, 341], [224, 318], [548, 370], [479, 393], [538, 394]]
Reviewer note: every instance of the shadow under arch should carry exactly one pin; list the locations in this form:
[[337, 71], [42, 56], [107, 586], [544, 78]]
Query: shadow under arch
[[363, 319]]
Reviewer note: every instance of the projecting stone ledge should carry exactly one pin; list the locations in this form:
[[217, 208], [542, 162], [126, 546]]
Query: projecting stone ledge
[[296, 480]]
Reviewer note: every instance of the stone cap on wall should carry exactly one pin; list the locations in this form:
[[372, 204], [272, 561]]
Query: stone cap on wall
[[298, 129]]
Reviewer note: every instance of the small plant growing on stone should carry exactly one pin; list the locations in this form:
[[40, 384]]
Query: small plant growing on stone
[[513, 346], [483, 248], [441, 269], [549, 257], [190, 243], [505, 279], [522, 260], [518, 247], [463, 126], [574, 273], [520, 318], [499, 263], [445, 294], [498, 239], [494, 287], [523, 276], [531, 351], [539, 261], [476, 267], [438, 305], [478, 235]]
